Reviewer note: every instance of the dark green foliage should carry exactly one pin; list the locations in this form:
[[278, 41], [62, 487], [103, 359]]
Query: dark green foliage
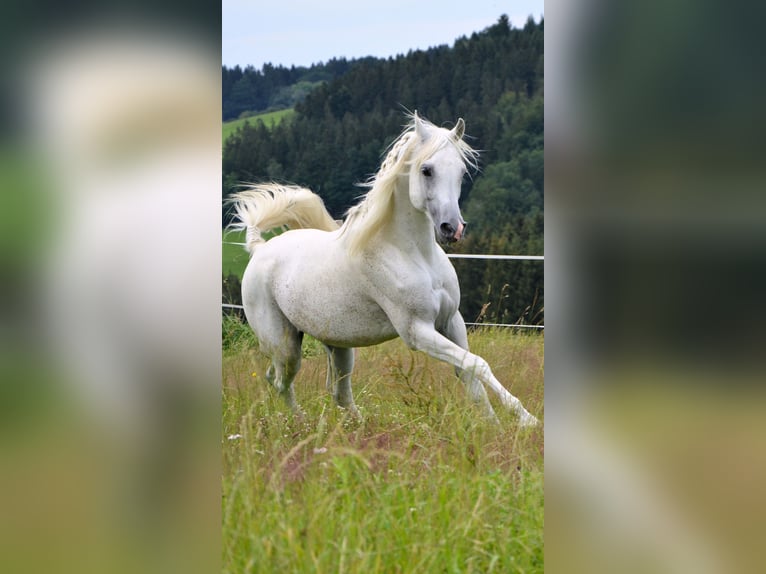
[[232, 291], [272, 87], [343, 125], [503, 291]]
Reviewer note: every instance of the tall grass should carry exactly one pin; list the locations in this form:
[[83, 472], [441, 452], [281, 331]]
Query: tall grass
[[422, 484]]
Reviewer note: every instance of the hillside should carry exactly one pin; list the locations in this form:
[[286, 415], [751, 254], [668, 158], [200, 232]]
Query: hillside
[[270, 119], [273, 87]]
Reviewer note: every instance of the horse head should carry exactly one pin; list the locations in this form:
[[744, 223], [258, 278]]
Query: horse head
[[438, 164]]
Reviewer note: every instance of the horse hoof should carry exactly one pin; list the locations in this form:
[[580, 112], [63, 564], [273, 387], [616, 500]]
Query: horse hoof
[[352, 411], [299, 414], [528, 421]]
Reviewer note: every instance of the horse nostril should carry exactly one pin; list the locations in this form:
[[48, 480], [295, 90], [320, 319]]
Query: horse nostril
[[447, 229]]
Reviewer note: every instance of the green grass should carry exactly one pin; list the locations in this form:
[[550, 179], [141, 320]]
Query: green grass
[[234, 257], [422, 484], [270, 119]]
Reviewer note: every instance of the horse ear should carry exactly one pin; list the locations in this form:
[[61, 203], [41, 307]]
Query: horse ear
[[459, 129], [420, 127]]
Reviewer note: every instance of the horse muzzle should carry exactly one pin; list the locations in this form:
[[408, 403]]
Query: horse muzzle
[[449, 233]]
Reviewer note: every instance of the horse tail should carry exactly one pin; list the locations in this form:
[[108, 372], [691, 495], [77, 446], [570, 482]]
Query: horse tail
[[266, 206]]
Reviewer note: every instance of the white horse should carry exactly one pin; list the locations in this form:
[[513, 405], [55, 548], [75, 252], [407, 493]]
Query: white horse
[[378, 276]]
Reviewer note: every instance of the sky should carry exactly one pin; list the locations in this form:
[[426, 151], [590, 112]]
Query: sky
[[304, 32]]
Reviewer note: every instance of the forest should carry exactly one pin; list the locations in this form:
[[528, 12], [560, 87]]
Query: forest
[[348, 112]]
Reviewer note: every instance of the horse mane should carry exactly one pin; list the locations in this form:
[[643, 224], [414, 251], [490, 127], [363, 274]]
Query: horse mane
[[364, 220]]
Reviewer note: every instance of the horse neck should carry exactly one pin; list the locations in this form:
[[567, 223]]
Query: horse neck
[[409, 228]]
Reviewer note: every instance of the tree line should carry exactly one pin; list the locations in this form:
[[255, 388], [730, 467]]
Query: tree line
[[247, 91], [343, 125]]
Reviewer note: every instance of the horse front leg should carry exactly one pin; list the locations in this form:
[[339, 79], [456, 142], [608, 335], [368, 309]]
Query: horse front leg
[[456, 332], [423, 337]]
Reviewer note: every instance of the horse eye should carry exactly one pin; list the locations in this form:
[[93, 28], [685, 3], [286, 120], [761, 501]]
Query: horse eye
[[426, 171]]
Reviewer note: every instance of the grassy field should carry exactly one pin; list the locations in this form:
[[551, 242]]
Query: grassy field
[[234, 257], [270, 119], [422, 484]]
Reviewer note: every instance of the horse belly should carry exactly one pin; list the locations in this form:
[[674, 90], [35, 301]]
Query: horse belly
[[319, 294], [329, 311]]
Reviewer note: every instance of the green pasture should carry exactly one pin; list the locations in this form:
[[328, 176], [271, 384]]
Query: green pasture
[[422, 484], [270, 119], [234, 257]]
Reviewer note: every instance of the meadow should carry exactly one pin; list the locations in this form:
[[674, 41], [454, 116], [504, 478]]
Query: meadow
[[270, 119], [421, 484], [234, 256]]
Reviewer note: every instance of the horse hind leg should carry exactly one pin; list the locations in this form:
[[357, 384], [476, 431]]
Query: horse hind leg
[[331, 377], [285, 364], [277, 337], [271, 375], [285, 375], [340, 364]]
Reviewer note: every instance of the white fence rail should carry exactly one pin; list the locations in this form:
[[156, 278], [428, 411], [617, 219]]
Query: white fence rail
[[456, 256], [462, 255], [508, 257]]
